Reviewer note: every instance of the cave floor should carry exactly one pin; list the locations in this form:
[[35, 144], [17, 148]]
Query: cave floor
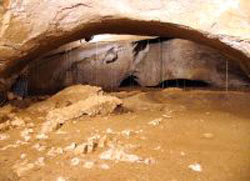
[[168, 135]]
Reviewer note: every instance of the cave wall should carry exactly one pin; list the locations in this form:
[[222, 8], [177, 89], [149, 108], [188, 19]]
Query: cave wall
[[151, 61], [31, 28]]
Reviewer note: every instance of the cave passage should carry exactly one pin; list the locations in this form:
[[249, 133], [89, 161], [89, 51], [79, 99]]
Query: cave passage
[[130, 81]]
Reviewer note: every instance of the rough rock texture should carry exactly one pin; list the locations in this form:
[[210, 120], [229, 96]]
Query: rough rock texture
[[30, 28], [66, 97], [92, 106], [150, 61]]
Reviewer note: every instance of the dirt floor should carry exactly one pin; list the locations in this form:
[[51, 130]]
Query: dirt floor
[[158, 134]]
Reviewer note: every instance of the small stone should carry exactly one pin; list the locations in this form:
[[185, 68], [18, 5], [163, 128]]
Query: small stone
[[167, 116], [42, 136], [71, 147], [39, 147], [55, 151], [23, 155], [4, 137], [183, 153], [109, 131], [104, 166], [40, 161], [102, 142], [75, 161], [89, 164], [208, 135], [155, 122], [195, 167], [126, 133]]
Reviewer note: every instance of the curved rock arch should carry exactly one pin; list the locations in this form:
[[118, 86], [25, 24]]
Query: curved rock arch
[[23, 37]]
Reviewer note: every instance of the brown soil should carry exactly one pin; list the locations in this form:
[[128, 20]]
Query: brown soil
[[179, 135]]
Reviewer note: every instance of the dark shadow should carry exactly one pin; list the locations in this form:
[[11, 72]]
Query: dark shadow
[[182, 83], [130, 81]]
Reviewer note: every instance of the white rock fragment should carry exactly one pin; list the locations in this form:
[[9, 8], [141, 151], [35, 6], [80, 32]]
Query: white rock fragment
[[155, 122], [55, 151], [118, 154], [39, 147], [23, 155], [167, 116], [71, 147], [126, 133], [61, 179], [89, 164], [4, 137], [75, 161], [104, 166], [40, 161], [195, 167], [92, 105], [103, 141], [42, 136], [61, 132], [26, 134], [109, 131]]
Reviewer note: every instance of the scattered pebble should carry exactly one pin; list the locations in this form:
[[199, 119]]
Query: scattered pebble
[[23, 155], [109, 131], [61, 132], [40, 161], [75, 161], [104, 166], [42, 136], [55, 151], [155, 122], [195, 167], [126, 133], [4, 137], [89, 164], [71, 147], [167, 116], [39, 147]]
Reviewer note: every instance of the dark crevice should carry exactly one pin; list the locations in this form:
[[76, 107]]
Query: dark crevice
[[182, 83], [130, 81]]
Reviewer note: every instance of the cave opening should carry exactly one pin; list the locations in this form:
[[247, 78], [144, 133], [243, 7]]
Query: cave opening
[[129, 81]]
